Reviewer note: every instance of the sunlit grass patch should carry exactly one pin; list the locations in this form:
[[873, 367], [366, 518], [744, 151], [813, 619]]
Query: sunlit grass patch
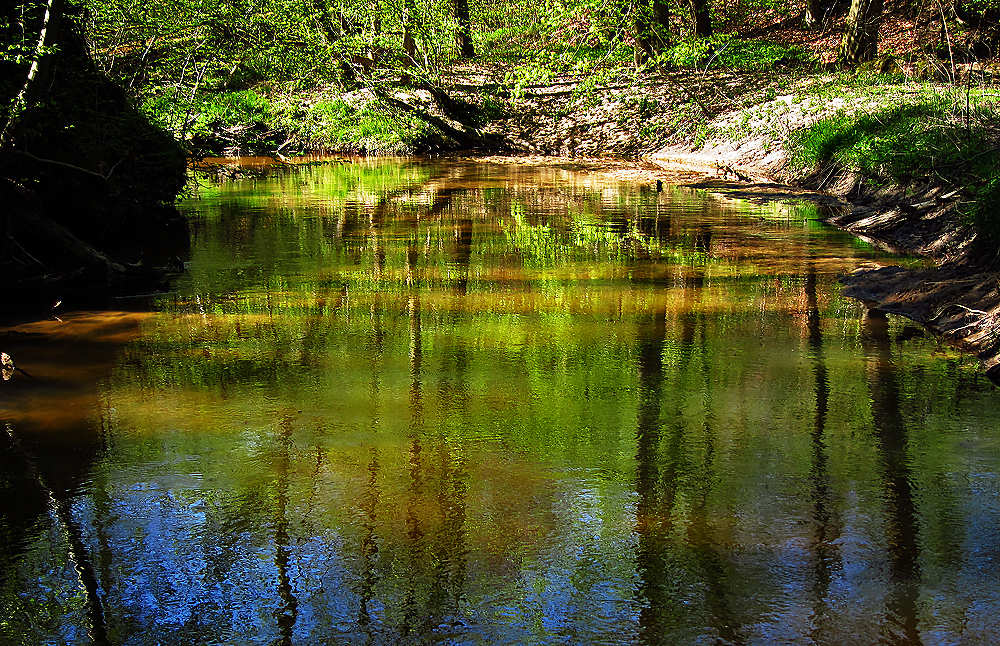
[[951, 137], [336, 125]]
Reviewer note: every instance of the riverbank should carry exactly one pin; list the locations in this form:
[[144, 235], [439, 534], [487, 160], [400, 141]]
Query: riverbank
[[788, 134], [906, 161]]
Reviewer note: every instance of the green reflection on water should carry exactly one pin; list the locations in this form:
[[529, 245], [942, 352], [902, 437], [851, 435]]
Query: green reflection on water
[[403, 402]]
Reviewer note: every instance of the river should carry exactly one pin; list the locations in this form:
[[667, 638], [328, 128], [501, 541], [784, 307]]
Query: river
[[416, 402]]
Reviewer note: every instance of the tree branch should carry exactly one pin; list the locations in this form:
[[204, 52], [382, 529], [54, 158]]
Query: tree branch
[[66, 165], [38, 71]]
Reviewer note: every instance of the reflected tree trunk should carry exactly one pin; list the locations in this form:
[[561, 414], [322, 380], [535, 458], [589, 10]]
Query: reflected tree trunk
[[449, 548], [655, 481], [661, 463], [287, 612], [463, 254], [891, 442], [715, 569], [60, 507], [415, 533], [825, 554], [413, 617], [371, 494], [369, 546]]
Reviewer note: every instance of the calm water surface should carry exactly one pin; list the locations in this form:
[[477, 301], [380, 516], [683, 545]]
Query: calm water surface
[[396, 402]]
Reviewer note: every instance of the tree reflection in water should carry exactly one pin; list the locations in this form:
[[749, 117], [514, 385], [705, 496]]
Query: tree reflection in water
[[408, 403]]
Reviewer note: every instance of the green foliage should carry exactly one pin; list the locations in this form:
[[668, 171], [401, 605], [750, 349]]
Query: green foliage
[[206, 118], [688, 52], [726, 51], [221, 44], [985, 211], [336, 125], [738, 53]]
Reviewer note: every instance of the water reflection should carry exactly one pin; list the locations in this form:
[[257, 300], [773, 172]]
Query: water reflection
[[826, 556], [902, 528], [408, 403]]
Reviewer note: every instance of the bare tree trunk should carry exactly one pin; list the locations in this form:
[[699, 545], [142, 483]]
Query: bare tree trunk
[[409, 43], [643, 45], [464, 29], [651, 30], [814, 14], [861, 41], [36, 74], [702, 18], [661, 25]]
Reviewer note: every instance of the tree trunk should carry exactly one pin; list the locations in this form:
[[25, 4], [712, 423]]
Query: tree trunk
[[661, 25], [814, 14], [327, 23], [702, 18], [861, 41], [643, 44], [651, 25], [465, 47], [47, 36], [409, 43]]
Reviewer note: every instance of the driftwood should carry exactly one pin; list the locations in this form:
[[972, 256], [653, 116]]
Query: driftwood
[[55, 239]]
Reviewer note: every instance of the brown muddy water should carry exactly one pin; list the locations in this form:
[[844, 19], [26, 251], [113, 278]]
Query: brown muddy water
[[402, 402]]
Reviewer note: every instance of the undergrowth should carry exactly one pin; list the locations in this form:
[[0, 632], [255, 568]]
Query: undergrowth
[[250, 122], [335, 125], [727, 51]]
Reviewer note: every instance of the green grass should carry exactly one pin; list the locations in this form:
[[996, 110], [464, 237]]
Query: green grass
[[214, 122], [334, 125], [201, 120], [725, 51], [951, 137]]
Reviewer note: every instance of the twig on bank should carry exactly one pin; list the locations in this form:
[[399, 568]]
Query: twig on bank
[[79, 169]]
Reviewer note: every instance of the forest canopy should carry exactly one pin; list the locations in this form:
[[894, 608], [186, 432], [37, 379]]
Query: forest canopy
[[218, 73]]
